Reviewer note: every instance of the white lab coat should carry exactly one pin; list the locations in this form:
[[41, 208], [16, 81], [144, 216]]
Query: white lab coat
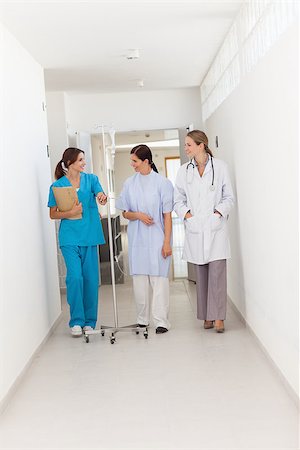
[[206, 234]]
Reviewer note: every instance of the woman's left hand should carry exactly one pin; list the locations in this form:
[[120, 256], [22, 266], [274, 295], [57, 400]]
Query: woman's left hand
[[166, 250], [102, 198]]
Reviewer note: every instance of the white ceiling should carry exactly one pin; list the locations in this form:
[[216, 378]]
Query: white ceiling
[[82, 44]]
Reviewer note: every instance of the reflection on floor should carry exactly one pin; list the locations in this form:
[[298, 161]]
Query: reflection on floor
[[188, 389], [179, 266]]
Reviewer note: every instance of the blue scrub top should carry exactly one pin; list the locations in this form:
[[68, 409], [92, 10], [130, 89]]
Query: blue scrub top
[[151, 194], [88, 230]]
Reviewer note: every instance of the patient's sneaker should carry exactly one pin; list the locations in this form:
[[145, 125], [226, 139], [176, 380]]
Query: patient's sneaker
[[76, 331], [87, 328]]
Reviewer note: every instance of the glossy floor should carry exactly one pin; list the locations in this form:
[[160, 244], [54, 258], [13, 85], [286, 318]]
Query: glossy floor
[[187, 389]]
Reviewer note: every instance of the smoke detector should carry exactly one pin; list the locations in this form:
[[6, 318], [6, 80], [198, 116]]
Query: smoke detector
[[133, 54]]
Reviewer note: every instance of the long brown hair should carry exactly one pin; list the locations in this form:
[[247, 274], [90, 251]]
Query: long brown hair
[[69, 156], [143, 152], [200, 137]]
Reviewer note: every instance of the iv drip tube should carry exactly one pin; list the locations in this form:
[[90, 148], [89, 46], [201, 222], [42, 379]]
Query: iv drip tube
[[110, 236]]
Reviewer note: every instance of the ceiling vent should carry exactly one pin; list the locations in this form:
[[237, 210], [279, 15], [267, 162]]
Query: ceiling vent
[[133, 54]]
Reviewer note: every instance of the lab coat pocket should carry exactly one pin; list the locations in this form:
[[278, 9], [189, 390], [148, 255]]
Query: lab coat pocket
[[216, 222], [192, 225]]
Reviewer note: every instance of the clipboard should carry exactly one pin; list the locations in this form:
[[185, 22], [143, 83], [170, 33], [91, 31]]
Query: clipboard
[[65, 198]]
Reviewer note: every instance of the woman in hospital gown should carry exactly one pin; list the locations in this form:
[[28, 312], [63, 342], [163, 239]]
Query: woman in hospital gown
[[147, 202]]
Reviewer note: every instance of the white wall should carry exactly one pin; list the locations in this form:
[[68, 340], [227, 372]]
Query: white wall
[[142, 110], [57, 127], [257, 127], [30, 299]]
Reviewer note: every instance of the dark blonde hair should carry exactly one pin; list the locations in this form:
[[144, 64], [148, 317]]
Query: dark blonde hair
[[69, 156], [143, 152], [200, 137]]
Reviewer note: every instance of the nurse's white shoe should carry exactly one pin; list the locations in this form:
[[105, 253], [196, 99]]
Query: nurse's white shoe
[[87, 328], [76, 331]]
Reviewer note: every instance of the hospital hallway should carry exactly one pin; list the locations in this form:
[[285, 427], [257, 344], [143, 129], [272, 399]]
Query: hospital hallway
[[187, 389], [98, 95]]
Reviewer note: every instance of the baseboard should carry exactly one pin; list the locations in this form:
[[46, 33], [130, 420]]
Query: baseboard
[[291, 392], [12, 390]]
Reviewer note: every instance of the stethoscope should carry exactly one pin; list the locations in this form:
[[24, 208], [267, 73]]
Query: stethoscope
[[190, 174]]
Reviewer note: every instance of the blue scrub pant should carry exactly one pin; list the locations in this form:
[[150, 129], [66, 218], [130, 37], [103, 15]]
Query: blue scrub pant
[[82, 284]]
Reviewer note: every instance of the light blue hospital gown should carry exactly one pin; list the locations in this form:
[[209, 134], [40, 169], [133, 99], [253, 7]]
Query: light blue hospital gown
[[153, 195]]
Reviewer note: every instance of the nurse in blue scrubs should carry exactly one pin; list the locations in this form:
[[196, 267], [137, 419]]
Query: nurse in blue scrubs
[[78, 239]]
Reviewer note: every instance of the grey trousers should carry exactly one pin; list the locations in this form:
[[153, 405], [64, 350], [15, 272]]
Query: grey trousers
[[211, 283]]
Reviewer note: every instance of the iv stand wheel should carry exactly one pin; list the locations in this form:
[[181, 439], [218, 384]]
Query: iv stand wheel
[[87, 338], [146, 334], [112, 338], [102, 333]]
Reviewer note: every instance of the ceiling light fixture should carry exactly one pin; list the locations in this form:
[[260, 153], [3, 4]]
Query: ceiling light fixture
[[167, 143], [133, 54]]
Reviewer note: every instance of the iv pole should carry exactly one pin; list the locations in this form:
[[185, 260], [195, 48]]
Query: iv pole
[[113, 329]]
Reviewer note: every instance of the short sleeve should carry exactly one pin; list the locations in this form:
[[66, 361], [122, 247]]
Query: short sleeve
[[167, 195], [122, 201], [51, 198], [96, 186]]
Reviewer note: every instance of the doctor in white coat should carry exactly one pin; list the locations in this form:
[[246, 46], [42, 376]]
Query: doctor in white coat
[[203, 197]]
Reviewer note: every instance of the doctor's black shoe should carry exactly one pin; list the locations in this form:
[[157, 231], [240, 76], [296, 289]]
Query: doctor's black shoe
[[160, 330]]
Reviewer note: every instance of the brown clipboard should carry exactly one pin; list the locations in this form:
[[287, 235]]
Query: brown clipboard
[[65, 198]]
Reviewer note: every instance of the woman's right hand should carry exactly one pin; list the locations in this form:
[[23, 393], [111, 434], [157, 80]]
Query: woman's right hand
[[76, 210], [147, 220]]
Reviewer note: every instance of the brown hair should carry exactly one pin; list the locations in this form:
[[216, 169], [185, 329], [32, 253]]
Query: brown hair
[[143, 152], [69, 156], [200, 137]]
